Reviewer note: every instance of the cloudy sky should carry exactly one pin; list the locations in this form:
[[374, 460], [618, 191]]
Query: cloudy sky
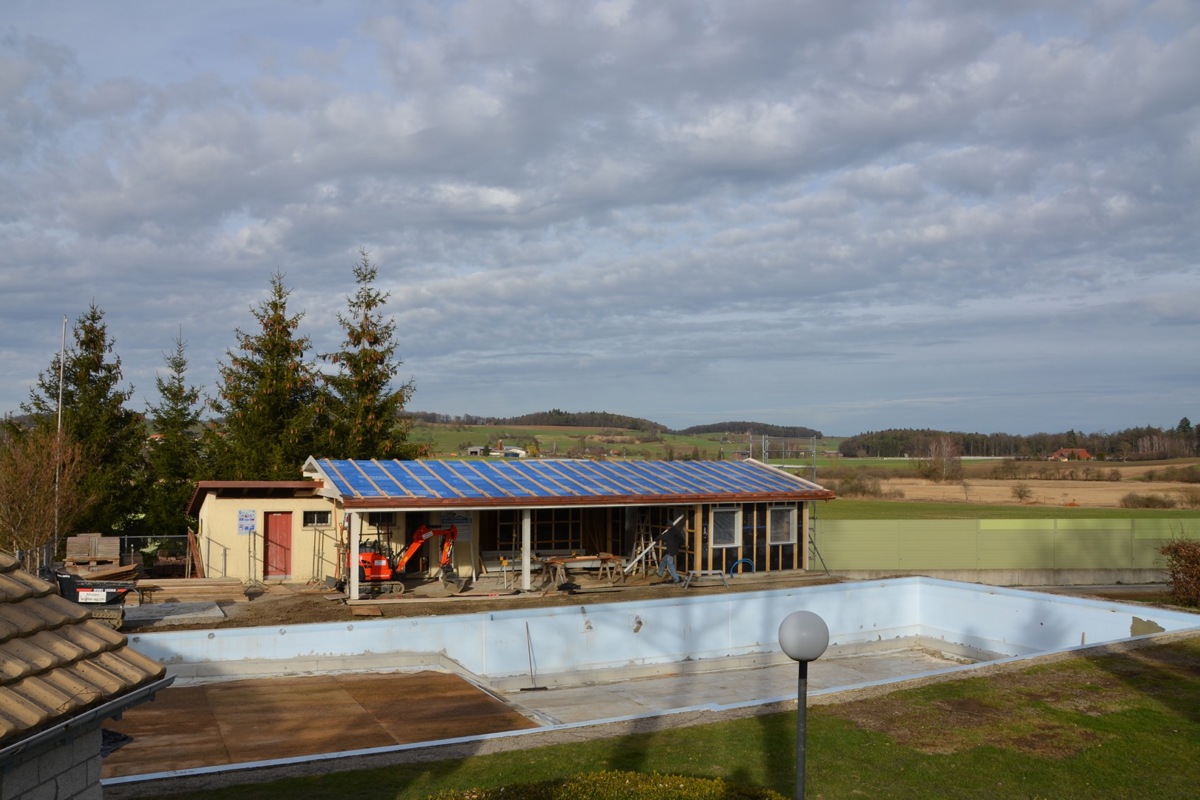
[[852, 216]]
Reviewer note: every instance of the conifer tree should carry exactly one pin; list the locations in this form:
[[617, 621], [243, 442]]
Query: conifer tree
[[174, 446], [363, 405], [94, 416], [266, 399]]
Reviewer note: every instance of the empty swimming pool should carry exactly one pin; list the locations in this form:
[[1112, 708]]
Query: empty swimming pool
[[620, 640]]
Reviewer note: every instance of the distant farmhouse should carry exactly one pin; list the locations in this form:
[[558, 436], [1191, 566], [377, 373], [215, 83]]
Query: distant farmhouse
[[497, 452], [1071, 454]]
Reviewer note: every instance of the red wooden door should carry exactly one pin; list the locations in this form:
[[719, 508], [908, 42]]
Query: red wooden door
[[277, 560]]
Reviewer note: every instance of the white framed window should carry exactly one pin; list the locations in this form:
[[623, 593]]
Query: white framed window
[[316, 519], [726, 527], [781, 525]]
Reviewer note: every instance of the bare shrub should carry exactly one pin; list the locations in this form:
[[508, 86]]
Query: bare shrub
[[1135, 500], [1183, 570], [1006, 470], [1189, 497], [859, 485], [1021, 492]]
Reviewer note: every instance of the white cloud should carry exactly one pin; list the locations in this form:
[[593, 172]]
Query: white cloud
[[849, 216]]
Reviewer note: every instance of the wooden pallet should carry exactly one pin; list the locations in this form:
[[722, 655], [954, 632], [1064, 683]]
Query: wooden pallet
[[90, 551]]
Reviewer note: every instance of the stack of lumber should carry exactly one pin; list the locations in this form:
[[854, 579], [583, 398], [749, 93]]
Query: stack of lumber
[[189, 590], [97, 558]]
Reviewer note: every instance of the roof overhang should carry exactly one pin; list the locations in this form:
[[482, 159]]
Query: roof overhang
[[251, 489], [433, 485]]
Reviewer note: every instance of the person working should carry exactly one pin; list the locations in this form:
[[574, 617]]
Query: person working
[[672, 541]]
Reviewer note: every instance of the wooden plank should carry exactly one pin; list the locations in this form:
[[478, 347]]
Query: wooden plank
[[194, 551]]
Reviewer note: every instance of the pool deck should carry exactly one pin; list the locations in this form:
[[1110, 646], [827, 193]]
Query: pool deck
[[201, 728]]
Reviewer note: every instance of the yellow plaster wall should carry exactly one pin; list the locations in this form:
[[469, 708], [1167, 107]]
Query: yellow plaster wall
[[228, 553]]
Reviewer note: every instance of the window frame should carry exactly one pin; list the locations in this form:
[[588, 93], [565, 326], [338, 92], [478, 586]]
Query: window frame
[[328, 518], [736, 529], [793, 527]]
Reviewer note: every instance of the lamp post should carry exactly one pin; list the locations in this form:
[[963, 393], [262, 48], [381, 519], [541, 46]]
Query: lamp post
[[803, 636]]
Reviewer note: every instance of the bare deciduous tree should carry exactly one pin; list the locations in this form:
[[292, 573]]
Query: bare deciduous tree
[[28, 494], [944, 462]]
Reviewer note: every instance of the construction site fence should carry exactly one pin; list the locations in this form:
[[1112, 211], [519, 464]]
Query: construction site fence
[[999, 544]]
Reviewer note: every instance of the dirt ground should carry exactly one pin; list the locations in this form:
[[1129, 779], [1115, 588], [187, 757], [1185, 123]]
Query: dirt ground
[[298, 604], [1070, 494]]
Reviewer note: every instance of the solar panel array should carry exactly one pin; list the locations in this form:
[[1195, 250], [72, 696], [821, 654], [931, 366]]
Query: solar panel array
[[507, 481]]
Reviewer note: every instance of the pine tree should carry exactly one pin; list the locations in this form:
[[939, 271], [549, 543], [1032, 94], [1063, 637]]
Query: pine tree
[[174, 447], [363, 407], [94, 416], [266, 399]]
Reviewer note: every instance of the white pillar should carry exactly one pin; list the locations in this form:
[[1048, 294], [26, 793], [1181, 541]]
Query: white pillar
[[352, 555], [526, 548]]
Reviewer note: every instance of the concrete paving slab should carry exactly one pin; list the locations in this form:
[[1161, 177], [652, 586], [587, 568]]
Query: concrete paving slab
[[156, 615], [674, 690]]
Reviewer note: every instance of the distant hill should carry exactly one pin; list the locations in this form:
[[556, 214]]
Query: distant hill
[[556, 417], [754, 429]]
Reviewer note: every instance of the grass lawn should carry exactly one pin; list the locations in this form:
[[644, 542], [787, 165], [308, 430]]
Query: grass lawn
[[1088, 727]]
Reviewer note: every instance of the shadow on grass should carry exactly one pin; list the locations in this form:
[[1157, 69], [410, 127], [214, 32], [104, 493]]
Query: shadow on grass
[[1168, 673]]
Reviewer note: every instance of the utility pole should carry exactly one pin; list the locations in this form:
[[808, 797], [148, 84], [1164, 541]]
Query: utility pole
[[62, 354]]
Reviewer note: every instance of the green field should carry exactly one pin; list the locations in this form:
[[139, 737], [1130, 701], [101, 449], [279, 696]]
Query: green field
[[452, 441]]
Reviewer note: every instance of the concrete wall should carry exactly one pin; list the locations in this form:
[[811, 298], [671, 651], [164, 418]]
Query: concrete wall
[[66, 771], [505, 644]]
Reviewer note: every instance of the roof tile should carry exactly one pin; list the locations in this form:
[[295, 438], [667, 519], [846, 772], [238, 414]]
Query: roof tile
[[55, 660]]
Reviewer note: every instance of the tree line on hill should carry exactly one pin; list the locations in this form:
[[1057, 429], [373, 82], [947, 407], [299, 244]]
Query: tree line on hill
[[79, 459], [552, 418], [603, 419], [1131, 444]]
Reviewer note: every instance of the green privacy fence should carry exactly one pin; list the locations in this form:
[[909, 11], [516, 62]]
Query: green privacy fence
[[999, 543]]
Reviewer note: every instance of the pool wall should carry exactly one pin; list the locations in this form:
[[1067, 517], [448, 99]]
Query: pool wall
[[676, 628]]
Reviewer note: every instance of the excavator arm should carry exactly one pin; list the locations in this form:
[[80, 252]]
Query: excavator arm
[[423, 534]]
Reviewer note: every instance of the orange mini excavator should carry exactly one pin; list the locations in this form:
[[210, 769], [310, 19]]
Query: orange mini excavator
[[374, 565]]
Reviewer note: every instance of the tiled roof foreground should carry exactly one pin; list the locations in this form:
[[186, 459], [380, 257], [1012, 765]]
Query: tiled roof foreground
[[55, 661]]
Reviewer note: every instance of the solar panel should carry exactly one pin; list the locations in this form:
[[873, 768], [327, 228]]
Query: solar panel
[[547, 479]]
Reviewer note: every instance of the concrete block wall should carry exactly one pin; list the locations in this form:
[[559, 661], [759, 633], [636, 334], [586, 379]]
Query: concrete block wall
[[66, 770]]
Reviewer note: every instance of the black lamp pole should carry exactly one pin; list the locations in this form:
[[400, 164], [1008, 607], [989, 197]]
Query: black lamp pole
[[803, 636]]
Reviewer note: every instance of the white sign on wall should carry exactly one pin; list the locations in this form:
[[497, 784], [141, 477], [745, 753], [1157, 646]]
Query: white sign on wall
[[458, 520], [247, 523]]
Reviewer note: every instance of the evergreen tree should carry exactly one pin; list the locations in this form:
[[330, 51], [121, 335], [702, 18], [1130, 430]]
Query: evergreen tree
[[174, 447], [362, 405], [266, 399], [94, 416]]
